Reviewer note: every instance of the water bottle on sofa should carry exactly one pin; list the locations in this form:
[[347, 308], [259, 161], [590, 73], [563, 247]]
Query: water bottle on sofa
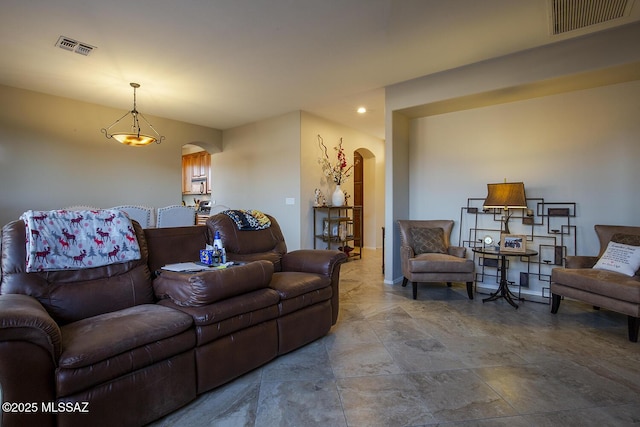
[[217, 242], [217, 246]]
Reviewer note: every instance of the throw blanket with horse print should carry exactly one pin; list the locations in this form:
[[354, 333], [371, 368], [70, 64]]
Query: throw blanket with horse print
[[248, 219], [60, 239]]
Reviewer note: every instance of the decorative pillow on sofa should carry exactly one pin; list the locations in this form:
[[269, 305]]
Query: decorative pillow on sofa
[[621, 258], [427, 240]]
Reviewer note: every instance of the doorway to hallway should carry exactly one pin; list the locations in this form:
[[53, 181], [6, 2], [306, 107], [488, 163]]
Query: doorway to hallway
[[358, 197]]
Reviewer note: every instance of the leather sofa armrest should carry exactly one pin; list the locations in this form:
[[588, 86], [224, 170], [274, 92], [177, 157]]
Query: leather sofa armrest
[[23, 318], [458, 251], [581, 261], [206, 287], [318, 261], [325, 262]]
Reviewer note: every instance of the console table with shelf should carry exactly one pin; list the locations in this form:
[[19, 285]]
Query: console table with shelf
[[338, 227]]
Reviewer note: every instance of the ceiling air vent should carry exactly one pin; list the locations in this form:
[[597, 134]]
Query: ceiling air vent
[[569, 15], [72, 45]]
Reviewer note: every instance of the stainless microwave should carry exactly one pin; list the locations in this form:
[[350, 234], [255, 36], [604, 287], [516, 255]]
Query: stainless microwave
[[199, 185]]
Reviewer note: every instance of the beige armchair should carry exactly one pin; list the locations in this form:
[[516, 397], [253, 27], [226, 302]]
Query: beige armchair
[[427, 255], [583, 280]]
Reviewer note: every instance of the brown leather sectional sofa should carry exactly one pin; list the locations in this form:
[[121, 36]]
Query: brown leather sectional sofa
[[116, 345]]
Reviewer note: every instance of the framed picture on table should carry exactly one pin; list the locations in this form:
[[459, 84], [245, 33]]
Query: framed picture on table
[[516, 243]]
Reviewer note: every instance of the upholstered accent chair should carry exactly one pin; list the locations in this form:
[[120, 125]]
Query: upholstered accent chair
[[175, 216], [141, 214], [610, 280], [428, 256]]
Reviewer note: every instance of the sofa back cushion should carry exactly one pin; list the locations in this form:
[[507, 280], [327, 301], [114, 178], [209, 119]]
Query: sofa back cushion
[[170, 245], [70, 295], [248, 245]]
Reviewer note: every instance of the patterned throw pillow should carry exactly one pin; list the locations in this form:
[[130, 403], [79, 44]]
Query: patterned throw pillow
[[427, 240], [626, 239]]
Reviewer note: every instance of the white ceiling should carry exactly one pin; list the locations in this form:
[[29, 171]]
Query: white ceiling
[[224, 63]]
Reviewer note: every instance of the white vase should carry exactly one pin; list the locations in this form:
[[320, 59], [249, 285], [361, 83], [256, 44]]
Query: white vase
[[337, 198]]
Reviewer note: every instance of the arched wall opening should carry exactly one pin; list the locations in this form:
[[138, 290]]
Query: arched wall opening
[[372, 196], [197, 186]]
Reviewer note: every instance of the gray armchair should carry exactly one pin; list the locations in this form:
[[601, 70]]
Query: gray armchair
[[427, 255]]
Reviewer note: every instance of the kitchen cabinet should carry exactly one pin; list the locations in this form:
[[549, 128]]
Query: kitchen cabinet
[[196, 169]]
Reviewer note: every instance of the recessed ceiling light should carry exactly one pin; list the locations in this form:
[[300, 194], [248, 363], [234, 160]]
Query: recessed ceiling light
[[361, 110]]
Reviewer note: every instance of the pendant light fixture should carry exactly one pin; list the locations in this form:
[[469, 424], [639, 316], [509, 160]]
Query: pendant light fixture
[[134, 136]]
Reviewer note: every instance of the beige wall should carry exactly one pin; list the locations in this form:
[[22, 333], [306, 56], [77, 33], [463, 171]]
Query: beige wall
[[576, 147], [580, 146], [373, 152], [267, 164], [259, 168], [563, 111], [53, 155]]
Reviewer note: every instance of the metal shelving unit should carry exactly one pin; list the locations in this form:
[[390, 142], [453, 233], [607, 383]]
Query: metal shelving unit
[[338, 227]]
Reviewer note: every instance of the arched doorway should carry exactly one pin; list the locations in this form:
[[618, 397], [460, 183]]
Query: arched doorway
[[368, 192], [196, 175], [358, 197]]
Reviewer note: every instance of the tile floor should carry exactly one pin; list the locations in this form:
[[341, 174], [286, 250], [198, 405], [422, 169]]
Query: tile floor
[[441, 360]]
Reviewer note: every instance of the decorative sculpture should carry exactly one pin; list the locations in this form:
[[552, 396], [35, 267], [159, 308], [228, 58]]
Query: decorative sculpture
[[346, 198], [319, 199]]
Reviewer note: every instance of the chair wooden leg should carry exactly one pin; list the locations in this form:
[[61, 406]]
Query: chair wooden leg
[[415, 290], [470, 289], [634, 325], [404, 281], [555, 303]]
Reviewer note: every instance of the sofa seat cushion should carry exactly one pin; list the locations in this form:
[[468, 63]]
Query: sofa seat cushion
[[602, 282], [230, 315], [206, 287], [298, 290], [440, 263], [110, 345], [98, 338]]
